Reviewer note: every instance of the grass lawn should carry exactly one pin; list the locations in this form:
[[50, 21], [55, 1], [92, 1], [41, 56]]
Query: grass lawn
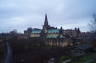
[[85, 58], [62, 58], [81, 59]]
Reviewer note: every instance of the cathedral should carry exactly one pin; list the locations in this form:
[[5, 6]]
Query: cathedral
[[52, 35]]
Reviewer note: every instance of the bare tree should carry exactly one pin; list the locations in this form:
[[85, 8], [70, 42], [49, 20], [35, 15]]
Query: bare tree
[[93, 24]]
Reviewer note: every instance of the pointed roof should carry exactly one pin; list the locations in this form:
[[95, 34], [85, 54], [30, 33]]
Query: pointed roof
[[61, 35], [46, 20], [61, 30]]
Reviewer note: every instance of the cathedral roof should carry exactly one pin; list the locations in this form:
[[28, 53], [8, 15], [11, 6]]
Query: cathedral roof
[[49, 31], [36, 31], [53, 30]]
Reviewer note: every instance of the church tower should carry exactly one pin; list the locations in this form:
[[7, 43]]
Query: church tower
[[46, 20], [45, 28], [46, 25]]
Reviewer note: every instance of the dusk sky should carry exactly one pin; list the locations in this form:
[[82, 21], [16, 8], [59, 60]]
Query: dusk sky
[[21, 14]]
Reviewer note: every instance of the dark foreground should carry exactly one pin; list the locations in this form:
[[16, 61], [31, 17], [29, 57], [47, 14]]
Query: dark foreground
[[28, 51]]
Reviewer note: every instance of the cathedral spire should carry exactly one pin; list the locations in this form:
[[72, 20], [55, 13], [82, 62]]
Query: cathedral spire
[[46, 20]]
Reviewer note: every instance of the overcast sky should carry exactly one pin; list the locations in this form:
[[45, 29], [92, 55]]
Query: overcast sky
[[21, 14]]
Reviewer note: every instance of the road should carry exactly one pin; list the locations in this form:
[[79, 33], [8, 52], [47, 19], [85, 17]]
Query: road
[[8, 57]]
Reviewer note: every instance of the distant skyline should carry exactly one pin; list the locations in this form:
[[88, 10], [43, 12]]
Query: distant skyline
[[21, 14]]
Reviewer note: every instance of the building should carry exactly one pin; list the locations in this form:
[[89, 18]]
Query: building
[[52, 35]]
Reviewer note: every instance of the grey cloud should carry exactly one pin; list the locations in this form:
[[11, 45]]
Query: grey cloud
[[60, 12]]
